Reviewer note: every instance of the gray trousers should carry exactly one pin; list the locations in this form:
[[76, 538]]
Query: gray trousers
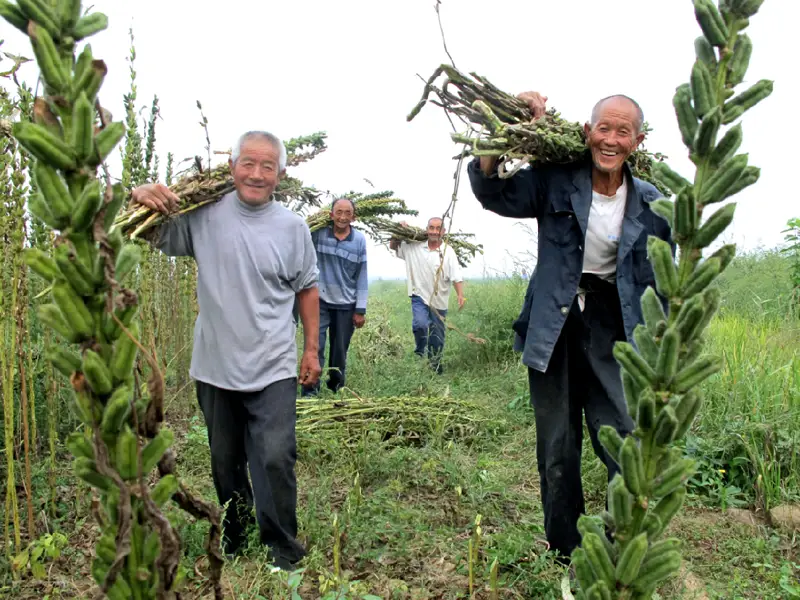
[[255, 430], [582, 377]]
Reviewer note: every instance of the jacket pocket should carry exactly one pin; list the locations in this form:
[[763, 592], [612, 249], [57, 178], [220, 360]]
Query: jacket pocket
[[558, 227]]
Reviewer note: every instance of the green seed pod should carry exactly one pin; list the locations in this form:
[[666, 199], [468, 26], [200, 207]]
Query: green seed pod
[[74, 271], [652, 309], [647, 409], [97, 373], [686, 412], [702, 277], [660, 255], [65, 361], [87, 206], [44, 145], [689, 318], [37, 206], [727, 146], [653, 573], [164, 489], [87, 470], [125, 350], [587, 525], [631, 560], [725, 255], [73, 308], [666, 426], [599, 591], [667, 363], [687, 120], [611, 441], [632, 466], [47, 58], [117, 199], [633, 363], [669, 178], [705, 52], [717, 187], [632, 389], [40, 263], [90, 80], [107, 139], [711, 302], [54, 190], [83, 127], [745, 8], [70, 13], [127, 455], [583, 571], [664, 209], [711, 22], [78, 444], [620, 502], [737, 67], [669, 505], [696, 373], [673, 478], [685, 214], [652, 526], [11, 13], [714, 226], [51, 317], [598, 559], [128, 259], [751, 96], [116, 410], [645, 344], [707, 132], [702, 89], [89, 25], [156, 448]]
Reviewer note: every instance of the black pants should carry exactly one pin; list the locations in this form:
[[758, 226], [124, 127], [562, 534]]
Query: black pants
[[582, 377], [257, 430], [337, 324]]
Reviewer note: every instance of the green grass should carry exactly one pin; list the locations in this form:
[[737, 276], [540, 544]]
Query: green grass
[[406, 504]]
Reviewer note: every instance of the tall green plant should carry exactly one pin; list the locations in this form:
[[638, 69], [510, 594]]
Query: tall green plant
[[662, 373], [138, 552]]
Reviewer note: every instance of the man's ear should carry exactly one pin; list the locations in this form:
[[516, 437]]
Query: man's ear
[[282, 174]]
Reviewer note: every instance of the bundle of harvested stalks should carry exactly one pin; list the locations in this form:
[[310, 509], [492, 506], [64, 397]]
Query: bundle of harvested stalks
[[502, 125], [198, 187], [398, 418], [384, 230]]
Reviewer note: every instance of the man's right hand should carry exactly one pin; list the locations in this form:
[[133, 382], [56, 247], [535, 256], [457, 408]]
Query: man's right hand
[[536, 103], [156, 196]]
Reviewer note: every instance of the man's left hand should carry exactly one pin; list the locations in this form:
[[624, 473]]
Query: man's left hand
[[309, 369], [358, 320], [461, 301]]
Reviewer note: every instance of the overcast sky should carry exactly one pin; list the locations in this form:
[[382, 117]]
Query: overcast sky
[[351, 68]]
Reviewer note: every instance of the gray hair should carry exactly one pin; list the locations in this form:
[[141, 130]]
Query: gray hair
[[599, 105], [271, 138]]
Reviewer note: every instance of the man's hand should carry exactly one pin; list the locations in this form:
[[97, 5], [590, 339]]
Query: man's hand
[[536, 103], [358, 320], [156, 196], [309, 369], [461, 301]]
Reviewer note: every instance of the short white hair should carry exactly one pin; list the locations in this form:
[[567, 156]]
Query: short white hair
[[271, 138]]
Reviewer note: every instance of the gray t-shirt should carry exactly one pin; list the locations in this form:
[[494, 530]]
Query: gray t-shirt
[[251, 262]]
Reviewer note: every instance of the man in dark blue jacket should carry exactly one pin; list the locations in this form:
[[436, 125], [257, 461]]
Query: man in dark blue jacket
[[594, 218]]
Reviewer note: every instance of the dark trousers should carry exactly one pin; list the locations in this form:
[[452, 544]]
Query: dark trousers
[[582, 377], [339, 323], [428, 329], [255, 429]]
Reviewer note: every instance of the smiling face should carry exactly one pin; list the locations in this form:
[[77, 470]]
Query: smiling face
[[342, 214], [256, 172], [615, 133], [435, 230]]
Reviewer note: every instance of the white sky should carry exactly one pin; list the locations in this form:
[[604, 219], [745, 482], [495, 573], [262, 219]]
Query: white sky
[[350, 68]]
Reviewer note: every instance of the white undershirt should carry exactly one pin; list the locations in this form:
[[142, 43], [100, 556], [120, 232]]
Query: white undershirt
[[602, 235]]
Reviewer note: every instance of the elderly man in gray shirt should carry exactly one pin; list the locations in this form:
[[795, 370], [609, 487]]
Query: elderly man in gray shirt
[[254, 259]]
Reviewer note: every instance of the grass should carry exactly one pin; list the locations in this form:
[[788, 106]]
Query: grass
[[406, 505]]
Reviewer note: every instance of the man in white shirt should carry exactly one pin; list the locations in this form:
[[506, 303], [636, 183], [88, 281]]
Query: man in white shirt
[[431, 268]]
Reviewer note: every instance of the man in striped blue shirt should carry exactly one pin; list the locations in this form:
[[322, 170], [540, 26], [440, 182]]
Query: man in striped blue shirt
[[342, 264]]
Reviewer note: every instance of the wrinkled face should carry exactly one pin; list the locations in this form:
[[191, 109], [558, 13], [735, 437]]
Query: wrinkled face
[[256, 171], [615, 135], [342, 214], [435, 230]]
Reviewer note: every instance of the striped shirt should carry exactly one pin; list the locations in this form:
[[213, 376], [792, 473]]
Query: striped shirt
[[342, 268]]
